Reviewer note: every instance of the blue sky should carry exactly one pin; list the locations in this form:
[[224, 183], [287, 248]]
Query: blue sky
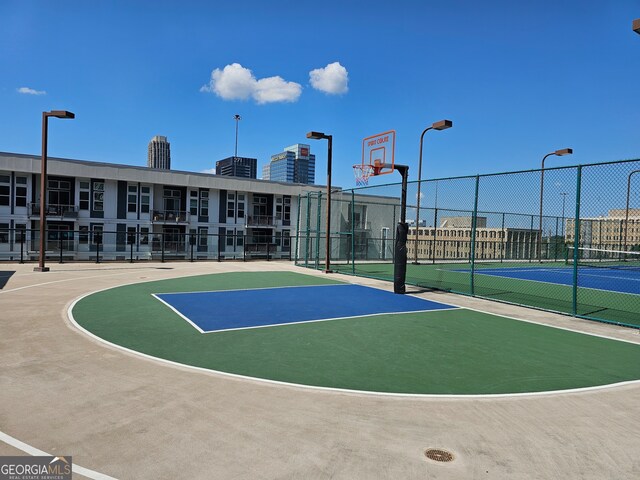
[[518, 79]]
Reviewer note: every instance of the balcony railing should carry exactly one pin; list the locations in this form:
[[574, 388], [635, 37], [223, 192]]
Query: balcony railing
[[55, 210], [169, 216], [261, 221]]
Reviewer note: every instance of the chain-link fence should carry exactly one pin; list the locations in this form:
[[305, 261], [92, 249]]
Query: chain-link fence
[[509, 237]]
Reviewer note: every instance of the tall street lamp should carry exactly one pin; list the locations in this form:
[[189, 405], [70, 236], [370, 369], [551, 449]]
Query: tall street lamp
[[440, 125], [626, 214], [559, 153], [237, 118], [636, 26], [43, 182], [320, 136]]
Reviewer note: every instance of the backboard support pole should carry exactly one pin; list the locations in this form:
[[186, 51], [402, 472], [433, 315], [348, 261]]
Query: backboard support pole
[[402, 230]]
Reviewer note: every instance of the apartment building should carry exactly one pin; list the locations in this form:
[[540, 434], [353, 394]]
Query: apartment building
[[122, 211]]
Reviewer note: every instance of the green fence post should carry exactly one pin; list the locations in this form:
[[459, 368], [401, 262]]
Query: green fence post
[[474, 224], [297, 235], [306, 242], [318, 230], [503, 243], [576, 242], [353, 233]]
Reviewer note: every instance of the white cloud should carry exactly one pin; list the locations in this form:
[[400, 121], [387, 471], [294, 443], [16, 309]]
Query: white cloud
[[210, 171], [276, 89], [31, 91], [235, 82], [332, 79]]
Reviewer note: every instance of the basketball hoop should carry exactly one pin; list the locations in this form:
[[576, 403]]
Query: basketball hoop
[[362, 174]]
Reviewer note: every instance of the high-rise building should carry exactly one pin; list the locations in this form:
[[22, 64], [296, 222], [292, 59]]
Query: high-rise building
[[159, 155], [237, 167], [296, 164]]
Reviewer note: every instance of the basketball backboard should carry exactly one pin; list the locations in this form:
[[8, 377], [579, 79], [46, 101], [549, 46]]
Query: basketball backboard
[[378, 151]]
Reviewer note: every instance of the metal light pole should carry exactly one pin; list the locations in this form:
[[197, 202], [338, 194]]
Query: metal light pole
[[636, 26], [43, 183], [237, 118], [559, 153], [626, 215], [440, 125], [320, 136]]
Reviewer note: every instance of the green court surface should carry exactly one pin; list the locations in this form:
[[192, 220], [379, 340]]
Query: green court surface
[[455, 352], [609, 306]]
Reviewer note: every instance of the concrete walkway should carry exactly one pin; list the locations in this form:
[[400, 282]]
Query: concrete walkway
[[133, 418]]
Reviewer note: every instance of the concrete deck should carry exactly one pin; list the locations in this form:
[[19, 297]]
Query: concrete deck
[[133, 418]]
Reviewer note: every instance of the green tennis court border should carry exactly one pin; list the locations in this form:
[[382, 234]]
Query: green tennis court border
[[463, 353], [593, 304]]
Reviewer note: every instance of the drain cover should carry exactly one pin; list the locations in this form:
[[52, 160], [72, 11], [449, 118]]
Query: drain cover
[[438, 455]]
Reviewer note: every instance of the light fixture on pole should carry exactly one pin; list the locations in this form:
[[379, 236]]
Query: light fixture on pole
[[237, 118], [320, 136], [559, 153], [636, 26], [43, 184], [440, 125]]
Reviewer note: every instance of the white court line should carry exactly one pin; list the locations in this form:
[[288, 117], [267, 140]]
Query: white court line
[[341, 284], [306, 321], [97, 339], [62, 281], [478, 272], [177, 312], [14, 442]]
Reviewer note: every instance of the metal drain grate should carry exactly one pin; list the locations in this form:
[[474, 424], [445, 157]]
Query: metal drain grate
[[438, 455]]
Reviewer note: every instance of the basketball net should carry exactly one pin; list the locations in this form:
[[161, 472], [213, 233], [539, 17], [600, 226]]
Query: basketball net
[[362, 174]]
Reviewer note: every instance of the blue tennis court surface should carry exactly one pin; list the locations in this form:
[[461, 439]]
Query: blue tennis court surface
[[624, 280], [235, 309]]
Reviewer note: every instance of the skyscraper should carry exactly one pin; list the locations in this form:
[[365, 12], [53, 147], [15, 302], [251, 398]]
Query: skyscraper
[[237, 167], [159, 155], [296, 164]]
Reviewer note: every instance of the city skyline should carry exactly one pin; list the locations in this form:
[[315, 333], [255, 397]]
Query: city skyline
[[518, 82]]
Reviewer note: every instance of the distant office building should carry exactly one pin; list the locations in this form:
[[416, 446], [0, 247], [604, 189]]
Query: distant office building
[[159, 155], [296, 164], [237, 167]]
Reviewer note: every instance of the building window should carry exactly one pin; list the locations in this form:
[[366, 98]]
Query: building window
[[231, 205], [21, 229], [132, 198], [4, 233], [239, 238], [144, 235], [5, 189], [203, 239], [278, 208], [59, 192], [240, 205], [204, 203], [98, 196], [84, 195], [145, 195], [97, 230], [193, 202], [287, 209], [83, 234], [131, 235], [21, 191]]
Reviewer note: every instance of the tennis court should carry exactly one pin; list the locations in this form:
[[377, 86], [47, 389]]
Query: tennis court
[[619, 279], [315, 331]]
